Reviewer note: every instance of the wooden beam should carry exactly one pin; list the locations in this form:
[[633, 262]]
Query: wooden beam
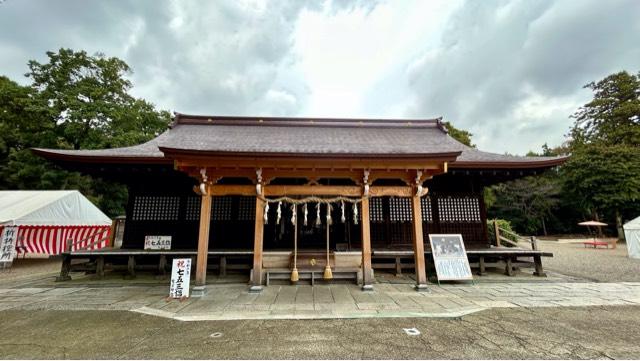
[[256, 277], [301, 162], [203, 240], [309, 190], [382, 191], [418, 244], [367, 281]]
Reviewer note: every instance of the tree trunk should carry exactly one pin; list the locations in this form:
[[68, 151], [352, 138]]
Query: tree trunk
[[544, 227], [619, 226], [597, 219]]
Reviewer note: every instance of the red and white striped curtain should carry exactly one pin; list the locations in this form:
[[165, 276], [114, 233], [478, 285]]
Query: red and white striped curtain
[[51, 240]]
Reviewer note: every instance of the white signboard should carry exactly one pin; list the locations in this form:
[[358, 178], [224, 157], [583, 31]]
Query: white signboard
[[180, 276], [450, 257], [157, 242], [8, 246]]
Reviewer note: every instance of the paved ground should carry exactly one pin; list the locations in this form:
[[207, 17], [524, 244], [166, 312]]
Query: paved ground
[[513, 333], [603, 265], [582, 310], [233, 301]]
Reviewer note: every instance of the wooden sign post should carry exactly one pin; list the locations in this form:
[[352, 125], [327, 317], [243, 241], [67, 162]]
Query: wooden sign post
[[8, 246], [180, 277], [450, 257]]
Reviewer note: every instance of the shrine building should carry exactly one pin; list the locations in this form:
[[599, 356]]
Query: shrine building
[[326, 198]]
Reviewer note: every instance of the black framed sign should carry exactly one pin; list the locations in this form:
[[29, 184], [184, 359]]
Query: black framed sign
[[450, 257]]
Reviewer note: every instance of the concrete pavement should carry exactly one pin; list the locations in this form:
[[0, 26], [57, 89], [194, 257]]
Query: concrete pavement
[[501, 333], [234, 302]]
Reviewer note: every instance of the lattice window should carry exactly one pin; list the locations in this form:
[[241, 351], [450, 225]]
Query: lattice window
[[459, 209], [247, 209], [400, 210], [192, 212], [375, 210], [425, 205], [221, 208], [154, 208]]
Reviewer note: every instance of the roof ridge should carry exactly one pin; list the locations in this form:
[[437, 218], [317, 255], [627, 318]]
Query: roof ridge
[[180, 118]]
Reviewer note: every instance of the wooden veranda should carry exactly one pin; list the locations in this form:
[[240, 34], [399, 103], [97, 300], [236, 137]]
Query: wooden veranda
[[207, 180]]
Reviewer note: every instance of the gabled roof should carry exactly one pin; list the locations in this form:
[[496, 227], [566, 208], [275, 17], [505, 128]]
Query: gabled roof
[[304, 137]]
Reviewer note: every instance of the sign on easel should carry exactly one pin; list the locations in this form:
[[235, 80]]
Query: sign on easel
[[8, 246], [180, 276], [450, 257], [157, 242]]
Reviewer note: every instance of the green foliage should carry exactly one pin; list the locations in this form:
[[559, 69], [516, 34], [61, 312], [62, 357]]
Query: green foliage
[[75, 101], [460, 135], [504, 225], [613, 116], [527, 202], [604, 170], [604, 176]]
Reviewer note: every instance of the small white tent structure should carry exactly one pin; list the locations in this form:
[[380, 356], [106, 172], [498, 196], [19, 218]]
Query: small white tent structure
[[632, 235], [45, 220], [68, 208]]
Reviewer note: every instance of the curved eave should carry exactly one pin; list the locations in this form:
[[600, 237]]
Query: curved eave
[[530, 164], [77, 158], [174, 152]]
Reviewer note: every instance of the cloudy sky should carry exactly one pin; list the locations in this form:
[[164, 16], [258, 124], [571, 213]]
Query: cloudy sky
[[511, 72]]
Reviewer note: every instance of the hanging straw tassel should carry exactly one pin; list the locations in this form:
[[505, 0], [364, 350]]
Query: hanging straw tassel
[[318, 221], [327, 270], [266, 213], [355, 213], [342, 217], [279, 212], [293, 214], [304, 210], [294, 272]]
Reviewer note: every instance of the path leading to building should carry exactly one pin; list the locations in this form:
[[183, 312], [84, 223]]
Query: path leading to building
[[234, 302]]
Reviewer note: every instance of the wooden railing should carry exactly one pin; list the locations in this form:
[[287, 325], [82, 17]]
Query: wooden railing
[[499, 238], [104, 237]]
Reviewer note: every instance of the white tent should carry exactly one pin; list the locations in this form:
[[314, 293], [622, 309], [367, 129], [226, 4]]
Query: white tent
[[632, 234], [50, 208]]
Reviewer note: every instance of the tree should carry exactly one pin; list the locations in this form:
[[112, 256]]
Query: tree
[[605, 177], [613, 116], [75, 101], [87, 97], [604, 170], [460, 135], [528, 202]]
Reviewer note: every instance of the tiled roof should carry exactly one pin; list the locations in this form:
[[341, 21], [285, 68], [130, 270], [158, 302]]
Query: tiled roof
[[304, 137]]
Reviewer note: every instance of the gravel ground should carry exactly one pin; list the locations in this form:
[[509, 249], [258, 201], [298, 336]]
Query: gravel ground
[[29, 268], [603, 265]]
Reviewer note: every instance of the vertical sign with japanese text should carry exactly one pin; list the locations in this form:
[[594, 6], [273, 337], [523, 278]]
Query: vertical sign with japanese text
[[8, 246], [180, 276]]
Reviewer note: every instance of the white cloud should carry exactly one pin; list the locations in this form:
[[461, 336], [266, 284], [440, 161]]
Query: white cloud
[[511, 72]]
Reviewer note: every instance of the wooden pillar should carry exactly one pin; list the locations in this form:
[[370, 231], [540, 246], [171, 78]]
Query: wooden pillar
[[256, 276], [203, 240], [367, 279], [418, 244]]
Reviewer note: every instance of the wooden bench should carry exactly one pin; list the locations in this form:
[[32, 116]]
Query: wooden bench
[[311, 274], [99, 257], [595, 244], [509, 255]]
